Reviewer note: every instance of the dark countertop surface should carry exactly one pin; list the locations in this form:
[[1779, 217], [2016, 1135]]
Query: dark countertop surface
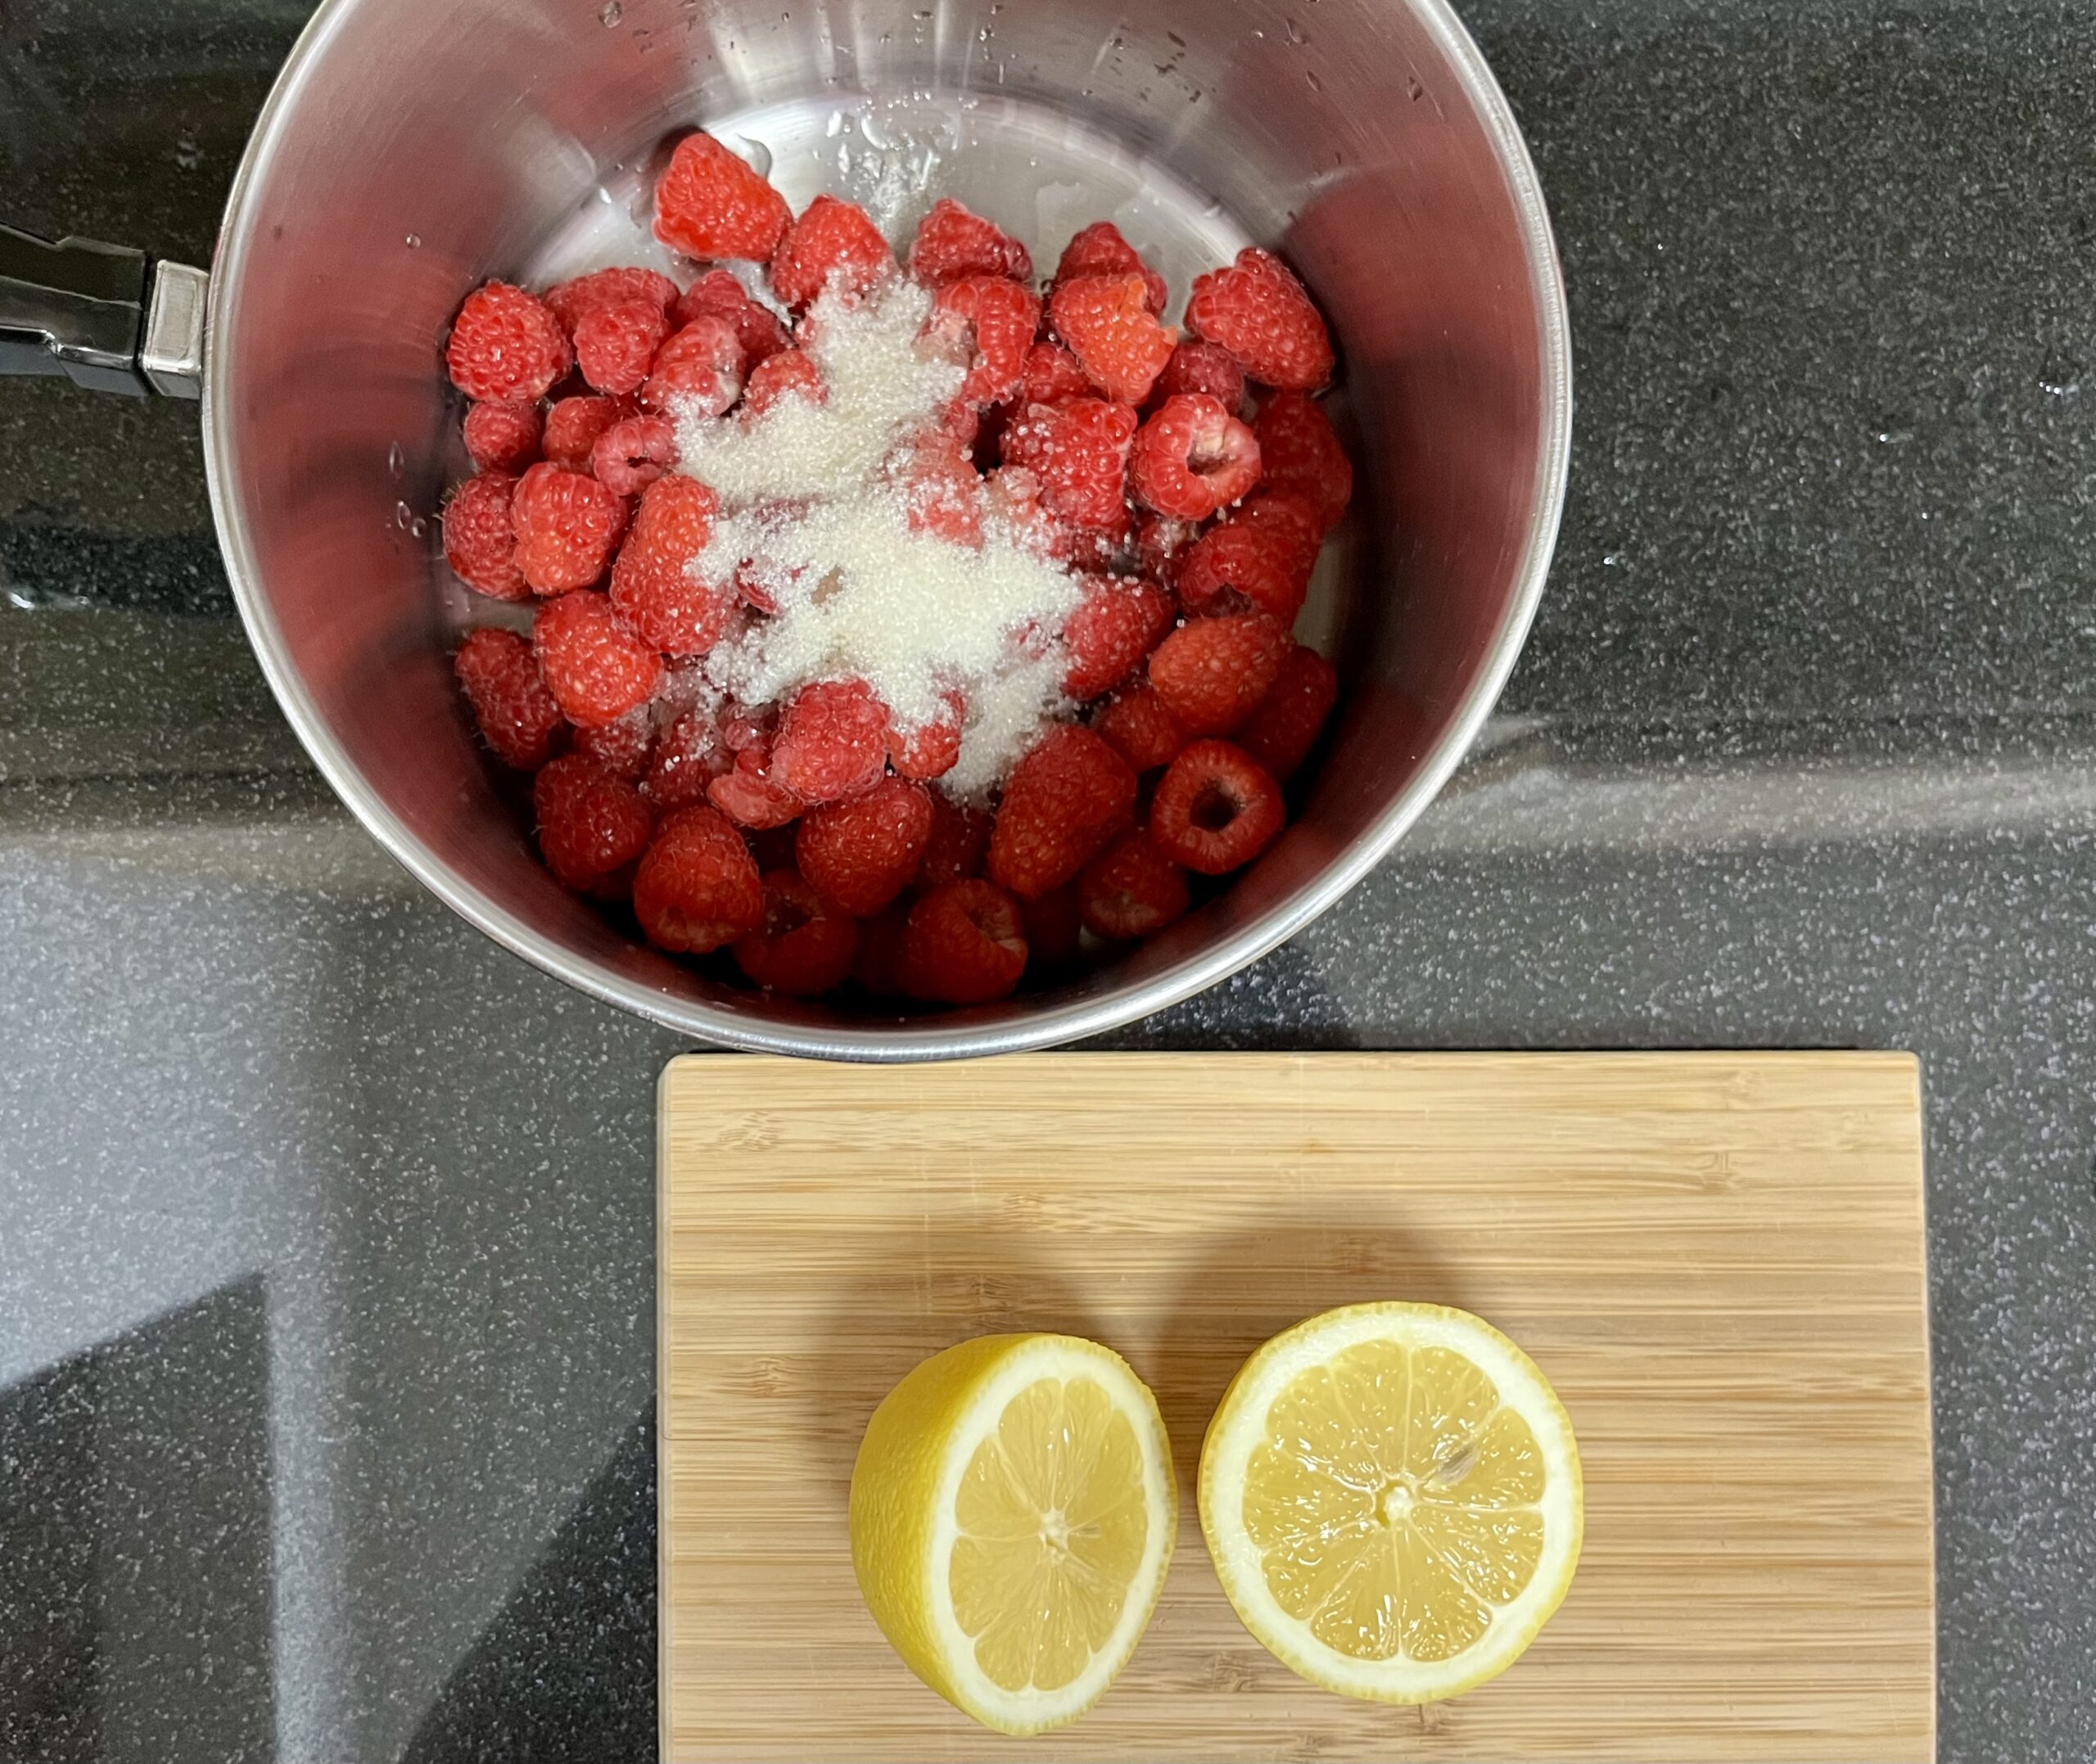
[[326, 1228]]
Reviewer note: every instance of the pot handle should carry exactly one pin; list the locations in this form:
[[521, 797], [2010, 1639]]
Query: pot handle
[[103, 315]]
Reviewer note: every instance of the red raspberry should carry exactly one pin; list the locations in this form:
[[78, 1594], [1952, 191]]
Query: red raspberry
[[616, 341], [708, 203], [592, 822], [1162, 543], [1054, 929], [661, 602], [941, 495], [1131, 889], [878, 967], [687, 759], [1136, 723], [860, 854], [989, 324], [573, 426], [958, 843], [1100, 250], [503, 437], [568, 526], [571, 299], [623, 748], [1192, 458], [931, 749], [803, 947], [833, 741], [832, 241], [505, 347], [699, 369], [596, 669], [750, 795], [1052, 376], [1211, 672], [964, 944], [1199, 367], [1257, 560], [1079, 451], [952, 241], [1065, 799], [630, 455], [1258, 311], [1304, 456], [696, 888], [480, 537], [757, 327], [1115, 625], [1284, 727], [789, 374], [1107, 322], [1011, 498], [1215, 808], [517, 715]]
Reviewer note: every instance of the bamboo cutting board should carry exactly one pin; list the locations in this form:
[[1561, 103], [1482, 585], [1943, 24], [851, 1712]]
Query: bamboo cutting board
[[1718, 1258]]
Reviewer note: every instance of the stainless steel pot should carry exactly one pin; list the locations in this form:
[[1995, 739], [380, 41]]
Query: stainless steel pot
[[411, 149]]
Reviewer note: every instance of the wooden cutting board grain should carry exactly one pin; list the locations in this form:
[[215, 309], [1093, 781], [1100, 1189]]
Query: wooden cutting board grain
[[1717, 1258]]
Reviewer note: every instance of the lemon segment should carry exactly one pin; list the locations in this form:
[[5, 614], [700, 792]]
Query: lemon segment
[[1391, 1497], [1012, 1515]]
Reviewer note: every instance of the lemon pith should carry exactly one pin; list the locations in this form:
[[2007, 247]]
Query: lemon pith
[[1011, 1517], [1391, 1497]]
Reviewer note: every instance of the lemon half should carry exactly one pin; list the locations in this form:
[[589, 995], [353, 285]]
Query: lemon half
[[1391, 1497], [1012, 1515]]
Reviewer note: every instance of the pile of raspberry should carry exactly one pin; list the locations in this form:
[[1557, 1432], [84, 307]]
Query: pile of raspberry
[[1187, 480]]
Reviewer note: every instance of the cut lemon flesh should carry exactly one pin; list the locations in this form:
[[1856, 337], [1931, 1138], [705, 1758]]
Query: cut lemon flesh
[[1012, 1514], [1391, 1497]]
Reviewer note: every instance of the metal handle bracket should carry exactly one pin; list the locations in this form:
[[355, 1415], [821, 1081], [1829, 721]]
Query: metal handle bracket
[[103, 315]]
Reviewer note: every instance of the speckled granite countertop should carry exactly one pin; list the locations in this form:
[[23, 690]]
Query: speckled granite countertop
[[326, 1275]]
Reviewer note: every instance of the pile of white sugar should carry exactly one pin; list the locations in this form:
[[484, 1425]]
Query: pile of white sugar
[[805, 512]]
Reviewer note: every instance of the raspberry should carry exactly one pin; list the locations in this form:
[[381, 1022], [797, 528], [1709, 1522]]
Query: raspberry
[[964, 944], [833, 741], [1258, 310], [1012, 499], [661, 602], [957, 844], [989, 324], [701, 367], [860, 854], [1052, 376], [1107, 322], [1136, 723], [480, 537], [1162, 542], [630, 455], [708, 203], [1284, 726], [1211, 672], [931, 749], [1079, 451], [1054, 929], [1215, 808], [616, 341], [591, 821], [1100, 250], [567, 525], [789, 374], [573, 426], [879, 965], [952, 241], [1131, 889], [757, 327], [696, 887], [517, 715], [503, 437], [602, 287], [596, 669], [750, 795], [623, 748], [1115, 625], [941, 495], [1065, 798], [1260, 558], [687, 759], [1192, 458], [1304, 456], [1199, 367], [832, 241], [801, 948], [505, 346]]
